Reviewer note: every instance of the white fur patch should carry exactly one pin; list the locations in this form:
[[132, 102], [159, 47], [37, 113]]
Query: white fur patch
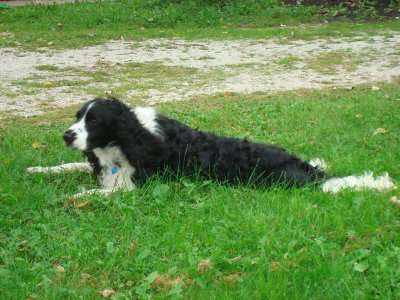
[[79, 128], [365, 181], [319, 164], [116, 170], [147, 117], [70, 167]]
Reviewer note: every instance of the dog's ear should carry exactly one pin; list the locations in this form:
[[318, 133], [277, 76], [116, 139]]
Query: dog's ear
[[117, 106], [126, 125], [118, 114]]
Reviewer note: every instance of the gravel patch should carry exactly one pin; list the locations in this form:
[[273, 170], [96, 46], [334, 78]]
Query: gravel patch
[[249, 65]]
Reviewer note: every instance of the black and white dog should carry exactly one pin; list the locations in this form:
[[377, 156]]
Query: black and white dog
[[124, 146]]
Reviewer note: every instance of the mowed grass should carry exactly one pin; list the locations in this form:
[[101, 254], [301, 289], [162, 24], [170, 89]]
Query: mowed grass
[[76, 25], [265, 243]]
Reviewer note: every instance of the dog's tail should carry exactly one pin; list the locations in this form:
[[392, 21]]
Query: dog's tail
[[361, 182]]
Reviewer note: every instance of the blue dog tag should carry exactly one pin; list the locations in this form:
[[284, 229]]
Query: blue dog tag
[[114, 170]]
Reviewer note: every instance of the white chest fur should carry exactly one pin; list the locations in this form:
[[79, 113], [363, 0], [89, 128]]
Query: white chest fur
[[116, 170]]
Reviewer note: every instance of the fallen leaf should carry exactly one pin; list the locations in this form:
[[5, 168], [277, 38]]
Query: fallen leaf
[[394, 200], [236, 259], [60, 269], [37, 145], [348, 248], [231, 278], [107, 293], [359, 116], [23, 249], [132, 248], [106, 274], [204, 265], [58, 261], [276, 266], [351, 237], [30, 297], [165, 282], [82, 204], [379, 131], [87, 279], [375, 88]]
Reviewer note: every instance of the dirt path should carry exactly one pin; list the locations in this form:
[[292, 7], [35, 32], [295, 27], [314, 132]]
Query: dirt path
[[166, 70]]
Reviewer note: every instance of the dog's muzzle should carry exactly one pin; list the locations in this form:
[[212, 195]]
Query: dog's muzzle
[[69, 137]]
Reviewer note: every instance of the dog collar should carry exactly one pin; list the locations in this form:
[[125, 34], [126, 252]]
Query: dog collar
[[114, 170]]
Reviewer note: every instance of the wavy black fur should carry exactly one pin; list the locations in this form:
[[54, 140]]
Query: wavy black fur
[[190, 151]]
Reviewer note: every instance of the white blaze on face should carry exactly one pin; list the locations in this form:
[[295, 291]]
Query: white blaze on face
[[81, 134]]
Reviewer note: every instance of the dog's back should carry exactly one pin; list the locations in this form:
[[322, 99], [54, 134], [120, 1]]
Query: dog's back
[[231, 159]]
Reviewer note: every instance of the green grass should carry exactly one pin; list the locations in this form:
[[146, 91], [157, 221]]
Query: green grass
[[118, 79], [83, 24], [47, 68], [328, 63], [266, 243]]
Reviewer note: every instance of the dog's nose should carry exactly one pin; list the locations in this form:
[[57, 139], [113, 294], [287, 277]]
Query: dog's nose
[[69, 136]]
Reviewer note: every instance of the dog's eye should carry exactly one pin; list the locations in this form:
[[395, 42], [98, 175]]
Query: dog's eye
[[92, 122]]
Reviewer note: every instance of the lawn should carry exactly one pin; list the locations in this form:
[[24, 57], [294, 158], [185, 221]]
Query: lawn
[[263, 243], [177, 237], [83, 24]]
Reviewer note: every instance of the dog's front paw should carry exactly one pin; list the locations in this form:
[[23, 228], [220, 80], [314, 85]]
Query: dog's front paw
[[37, 169], [98, 192]]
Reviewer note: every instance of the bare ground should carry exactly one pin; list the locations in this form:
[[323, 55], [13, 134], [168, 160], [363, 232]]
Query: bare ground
[[31, 82]]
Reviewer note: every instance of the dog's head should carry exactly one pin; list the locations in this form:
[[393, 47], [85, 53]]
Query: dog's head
[[95, 124]]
